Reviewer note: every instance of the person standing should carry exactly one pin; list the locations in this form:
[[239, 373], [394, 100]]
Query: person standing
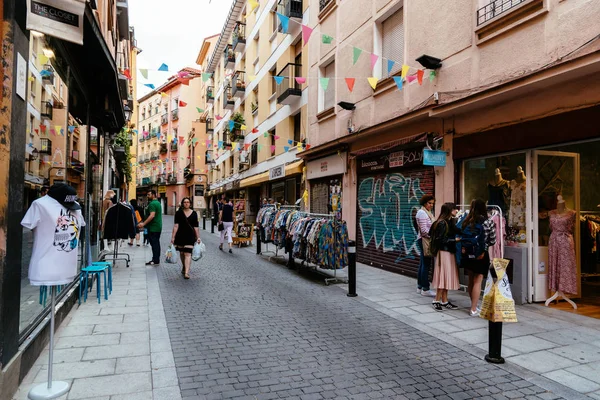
[[186, 232], [226, 217], [478, 234], [44, 191], [443, 244], [154, 225], [137, 212], [424, 220]]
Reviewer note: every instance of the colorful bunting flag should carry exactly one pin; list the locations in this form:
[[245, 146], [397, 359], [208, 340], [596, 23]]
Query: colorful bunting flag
[[290, 141], [350, 83], [420, 74], [276, 137], [163, 67], [151, 86], [205, 76], [405, 69], [253, 4], [299, 146], [254, 130], [286, 148], [272, 148], [71, 128], [246, 146], [306, 32], [398, 80], [285, 22], [279, 79], [59, 130], [43, 59], [251, 78], [218, 117], [390, 66], [374, 59], [373, 82], [307, 146], [231, 124], [356, 54], [259, 146], [432, 75], [127, 74], [199, 110], [324, 83], [52, 131], [326, 39], [300, 80], [163, 94], [182, 74], [243, 127], [411, 78], [182, 103], [144, 73]]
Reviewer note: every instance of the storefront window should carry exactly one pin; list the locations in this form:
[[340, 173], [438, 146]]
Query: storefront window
[[500, 181]]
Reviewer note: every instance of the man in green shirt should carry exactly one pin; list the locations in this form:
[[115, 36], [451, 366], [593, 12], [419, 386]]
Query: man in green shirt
[[154, 226]]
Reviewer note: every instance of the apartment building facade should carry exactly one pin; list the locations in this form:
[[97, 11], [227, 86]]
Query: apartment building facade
[[258, 108], [505, 94]]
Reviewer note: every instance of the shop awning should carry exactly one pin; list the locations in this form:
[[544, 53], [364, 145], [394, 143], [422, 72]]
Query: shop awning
[[292, 168], [94, 77]]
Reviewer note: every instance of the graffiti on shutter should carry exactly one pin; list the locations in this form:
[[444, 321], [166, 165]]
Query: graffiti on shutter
[[386, 232]]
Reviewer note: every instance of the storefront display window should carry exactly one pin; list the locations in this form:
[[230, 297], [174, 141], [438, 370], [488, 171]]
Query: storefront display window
[[500, 181]]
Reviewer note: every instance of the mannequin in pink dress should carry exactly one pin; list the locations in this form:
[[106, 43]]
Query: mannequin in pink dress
[[562, 264]]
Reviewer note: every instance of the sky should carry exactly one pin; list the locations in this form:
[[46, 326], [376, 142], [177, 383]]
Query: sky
[[171, 32]]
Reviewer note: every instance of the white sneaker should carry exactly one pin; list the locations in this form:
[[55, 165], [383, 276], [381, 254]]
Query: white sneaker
[[429, 293], [418, 291], [474, 313]]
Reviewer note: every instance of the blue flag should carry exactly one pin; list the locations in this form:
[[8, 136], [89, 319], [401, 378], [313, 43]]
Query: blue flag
[[285, 22], [279, 79], [151, 86], [231, 124], [163, 67], [390, 66], [398, 80]]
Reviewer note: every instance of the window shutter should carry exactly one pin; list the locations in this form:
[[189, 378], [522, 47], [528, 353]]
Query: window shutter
[[393, 41], [330, 92]]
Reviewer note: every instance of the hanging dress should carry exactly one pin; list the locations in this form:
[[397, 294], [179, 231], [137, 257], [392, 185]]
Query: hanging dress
[[562, 265]]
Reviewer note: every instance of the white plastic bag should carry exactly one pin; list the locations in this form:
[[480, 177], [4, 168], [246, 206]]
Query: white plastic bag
[[171, 256], [198, 251]]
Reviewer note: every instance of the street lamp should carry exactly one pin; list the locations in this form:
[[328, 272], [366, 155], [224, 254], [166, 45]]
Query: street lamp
[[128, 112]]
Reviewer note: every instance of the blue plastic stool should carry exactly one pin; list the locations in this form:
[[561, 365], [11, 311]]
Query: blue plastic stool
[[44, 293], [84, 278], [109, 265]]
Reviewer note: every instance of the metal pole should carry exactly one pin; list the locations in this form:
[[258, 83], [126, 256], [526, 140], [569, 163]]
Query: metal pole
[[258, 242], [352, 269], [51, 344], [204, 221], [494, 343], [289, 246]]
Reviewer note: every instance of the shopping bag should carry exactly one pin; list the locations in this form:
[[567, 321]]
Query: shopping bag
[[498, 304], [171, 256], [198, 251]]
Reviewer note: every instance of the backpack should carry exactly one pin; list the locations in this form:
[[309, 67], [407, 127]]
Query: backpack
[[472, 241], [437, 237]]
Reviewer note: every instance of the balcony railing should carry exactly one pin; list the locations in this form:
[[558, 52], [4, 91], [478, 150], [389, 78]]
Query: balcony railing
[[146, 181], [210, 129], [228, 100], [164, 119], [47, 110], [163, 148], [175, 114], [238, 83], [239, 37], [173, 146], [154, 155], [495, 8], [289, 90], [161, 179], [323, 4], [210, 94], [290, 8], [229, 57], [172, 179], [47, 74], [154, 133]]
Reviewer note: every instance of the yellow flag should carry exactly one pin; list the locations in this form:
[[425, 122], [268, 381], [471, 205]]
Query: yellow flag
[[405, 69], [57, 128], [373, 82], [253, 4], [43, 59], [163, 94], [251, 78], [243, 127], [31, 79], [299, 146], [169, 138]]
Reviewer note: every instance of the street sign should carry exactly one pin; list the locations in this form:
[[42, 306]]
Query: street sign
[[434, 158]]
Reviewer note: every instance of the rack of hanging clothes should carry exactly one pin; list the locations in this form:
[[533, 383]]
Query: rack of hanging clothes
[[272, 221], [321, 242], [119, 223], [590, 243], [495, 214]]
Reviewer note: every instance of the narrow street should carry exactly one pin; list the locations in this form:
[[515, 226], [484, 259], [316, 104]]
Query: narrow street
[[248, 328]]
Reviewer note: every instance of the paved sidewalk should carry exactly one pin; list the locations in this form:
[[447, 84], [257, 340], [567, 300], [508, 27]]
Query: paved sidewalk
[[119, 349]]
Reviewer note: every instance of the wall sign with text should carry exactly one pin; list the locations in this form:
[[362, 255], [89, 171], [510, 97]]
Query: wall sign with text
[[62, 19]]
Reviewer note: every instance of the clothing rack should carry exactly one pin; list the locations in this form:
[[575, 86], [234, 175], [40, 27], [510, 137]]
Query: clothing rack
[[277, 206], [493, 207], [329, 279], [116, 255]]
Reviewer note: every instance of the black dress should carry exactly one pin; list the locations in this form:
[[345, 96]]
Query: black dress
[[186, 235]]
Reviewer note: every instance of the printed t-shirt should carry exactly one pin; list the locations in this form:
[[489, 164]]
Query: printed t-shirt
[[55, 241], [156, 224]]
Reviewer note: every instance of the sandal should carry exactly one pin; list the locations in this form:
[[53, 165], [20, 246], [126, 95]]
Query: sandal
[[186, 276], [182, 270]]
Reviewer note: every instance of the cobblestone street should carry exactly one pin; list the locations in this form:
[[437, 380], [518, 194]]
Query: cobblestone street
[[243, 327]]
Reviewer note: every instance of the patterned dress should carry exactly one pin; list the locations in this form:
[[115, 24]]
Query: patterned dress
[[562, 265]]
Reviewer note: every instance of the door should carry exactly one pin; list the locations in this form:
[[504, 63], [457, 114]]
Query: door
[[554, 173]]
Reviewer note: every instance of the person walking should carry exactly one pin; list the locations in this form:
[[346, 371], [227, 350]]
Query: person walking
[[478, 234], [226, 218], [424, 220], [186, 232], [137, 212], [154, 225], [443, 244]]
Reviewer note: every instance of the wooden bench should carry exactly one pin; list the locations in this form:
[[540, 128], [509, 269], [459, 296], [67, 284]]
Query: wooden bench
[[246, 235]]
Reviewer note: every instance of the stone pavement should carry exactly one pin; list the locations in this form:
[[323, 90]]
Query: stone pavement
[[119, 349]]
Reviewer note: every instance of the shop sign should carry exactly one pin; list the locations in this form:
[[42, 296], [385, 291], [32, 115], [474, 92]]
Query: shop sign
[[395, 159], [434, 158], [62, 19], [277, 172], [334, 164], [198, 179], [162, 189]]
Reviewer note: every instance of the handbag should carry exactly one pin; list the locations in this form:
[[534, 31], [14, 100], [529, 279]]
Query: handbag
[[220, 227], [426, 247]]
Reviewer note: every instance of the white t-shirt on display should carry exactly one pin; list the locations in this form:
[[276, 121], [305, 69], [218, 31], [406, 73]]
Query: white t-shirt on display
[[55, 242]]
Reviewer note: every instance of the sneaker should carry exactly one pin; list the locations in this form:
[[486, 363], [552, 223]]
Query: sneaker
[[151, 263], [429, 293], [221, 247], [230, 252], [437, 306], [418, 291], [474, 313], [449, 306]]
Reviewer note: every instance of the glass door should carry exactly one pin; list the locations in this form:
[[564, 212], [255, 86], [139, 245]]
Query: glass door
[[555, 174]]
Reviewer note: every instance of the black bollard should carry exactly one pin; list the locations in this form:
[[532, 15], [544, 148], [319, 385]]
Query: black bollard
[[494, 343], [289, 247], [352, 268], [212, 226], [258, 250], [204, 221]]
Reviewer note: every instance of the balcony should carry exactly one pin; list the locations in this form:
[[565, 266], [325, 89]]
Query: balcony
[[163, 148], [47, 74], [289, 90], [229, 57], [238, 83], [172, 179], [210, 129], [173, 146], [228, 100], [495, 8], [291, 9], [323, 4], [175, 114], [210, 94], [47, 110], [164, 119], [146, 181], [239, 37], [154, 155], [235, 135], [161, 179], [154, 133]]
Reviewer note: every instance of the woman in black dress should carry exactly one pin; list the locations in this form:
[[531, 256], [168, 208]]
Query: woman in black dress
[[185, 234]]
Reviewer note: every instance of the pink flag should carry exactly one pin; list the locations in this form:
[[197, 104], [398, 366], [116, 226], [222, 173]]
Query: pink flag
[[300, 80], [374, 58], [411, 78], [276, 137], [272, 148], [218, 117], [350, 82], [306, 32]]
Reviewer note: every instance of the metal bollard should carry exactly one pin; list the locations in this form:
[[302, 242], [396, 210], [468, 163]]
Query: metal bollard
[[352, 269], [289, 247], [494, 355], [258, 250], [204, 222], [212, 226]]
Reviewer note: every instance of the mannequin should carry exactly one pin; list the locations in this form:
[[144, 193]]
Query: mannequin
[[518, 195], [562, 265], [498, 191]]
